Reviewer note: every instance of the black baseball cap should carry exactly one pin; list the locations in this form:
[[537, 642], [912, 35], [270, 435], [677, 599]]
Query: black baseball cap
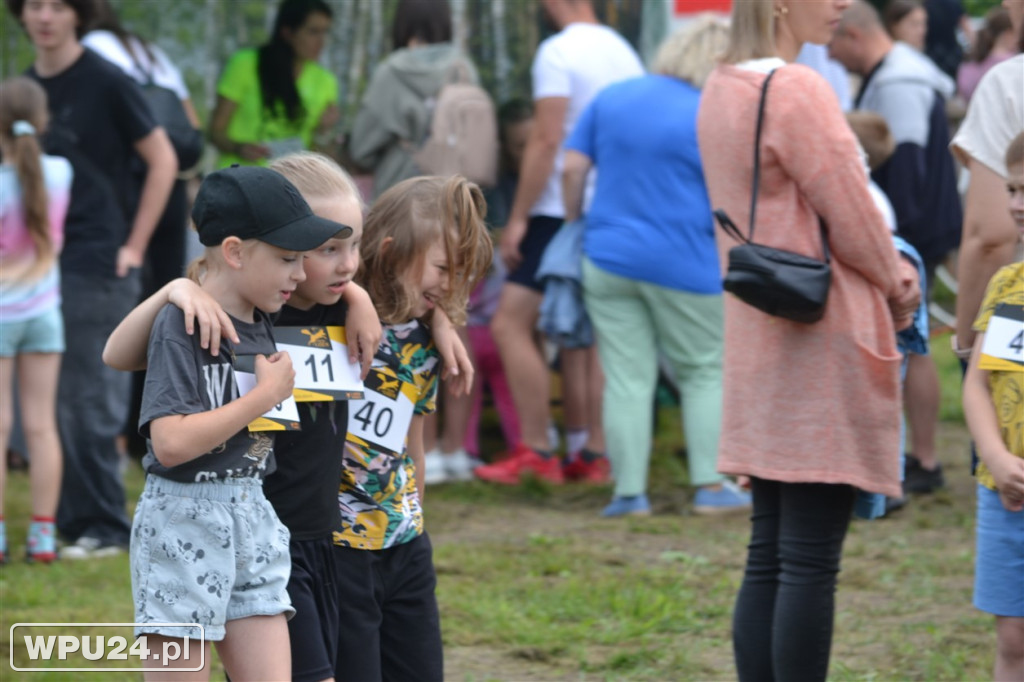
[[251, 202]]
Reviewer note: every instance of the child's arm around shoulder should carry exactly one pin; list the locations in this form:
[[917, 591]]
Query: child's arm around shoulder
[[362, 327], [454, 356], [126, 347], [180, 438]]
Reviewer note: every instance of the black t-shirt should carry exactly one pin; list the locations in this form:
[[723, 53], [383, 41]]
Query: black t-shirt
[[304, 489], [182, 379], [97, 114]]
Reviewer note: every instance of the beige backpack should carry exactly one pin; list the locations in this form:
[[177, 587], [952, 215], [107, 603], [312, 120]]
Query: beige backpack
[[463, 135]]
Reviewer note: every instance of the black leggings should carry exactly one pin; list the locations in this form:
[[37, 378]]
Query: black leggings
[[782, 624]]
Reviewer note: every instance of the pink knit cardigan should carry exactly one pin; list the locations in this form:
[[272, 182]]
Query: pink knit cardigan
[[804, 403]]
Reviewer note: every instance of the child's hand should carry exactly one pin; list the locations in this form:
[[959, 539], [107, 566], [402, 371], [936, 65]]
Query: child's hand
[[276, 376], [1012, 504], [1008, 472], [199, 306], [458, 367], [905, 303], [362, 328]]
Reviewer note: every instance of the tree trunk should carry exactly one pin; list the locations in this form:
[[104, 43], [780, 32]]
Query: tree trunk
[[211, 69], [360, 24], [376, 36], [458, 8], [340, 58], [502, 63]]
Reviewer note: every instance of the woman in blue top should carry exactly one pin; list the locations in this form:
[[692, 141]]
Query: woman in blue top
[[650, 274]]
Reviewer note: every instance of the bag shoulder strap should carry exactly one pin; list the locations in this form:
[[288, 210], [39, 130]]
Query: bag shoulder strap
[[755, 183]]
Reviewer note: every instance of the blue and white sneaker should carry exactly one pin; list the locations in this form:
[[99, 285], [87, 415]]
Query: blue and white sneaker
[[728, 499], [636, 505]]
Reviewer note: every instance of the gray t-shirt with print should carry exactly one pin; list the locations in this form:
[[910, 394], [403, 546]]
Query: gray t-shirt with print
[[183, 378]]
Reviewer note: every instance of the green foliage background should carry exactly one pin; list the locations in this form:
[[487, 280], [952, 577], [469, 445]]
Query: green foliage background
[[199, 36], [501, 35]]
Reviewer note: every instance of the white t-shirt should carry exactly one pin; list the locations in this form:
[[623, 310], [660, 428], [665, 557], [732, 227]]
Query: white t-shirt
[[165, 74], [577, 63], [995, 116], [883, 205]]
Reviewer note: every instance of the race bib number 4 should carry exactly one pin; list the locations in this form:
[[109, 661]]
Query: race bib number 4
[[381, 419], [320, 358], [1004, 339], [282, 417]]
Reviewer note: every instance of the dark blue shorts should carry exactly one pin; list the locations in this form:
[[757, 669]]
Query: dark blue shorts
[[539, 232]]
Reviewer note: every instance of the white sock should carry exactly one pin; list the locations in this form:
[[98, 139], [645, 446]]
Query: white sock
[[575, 439]]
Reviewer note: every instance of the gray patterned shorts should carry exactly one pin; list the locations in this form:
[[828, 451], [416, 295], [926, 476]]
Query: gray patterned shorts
[[207, 553]]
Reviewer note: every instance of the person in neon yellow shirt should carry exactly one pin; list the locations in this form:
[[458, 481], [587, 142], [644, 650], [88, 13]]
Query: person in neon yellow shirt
[[276, 99]]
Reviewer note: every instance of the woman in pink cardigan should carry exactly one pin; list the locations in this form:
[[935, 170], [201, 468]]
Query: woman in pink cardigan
[[810, 411]]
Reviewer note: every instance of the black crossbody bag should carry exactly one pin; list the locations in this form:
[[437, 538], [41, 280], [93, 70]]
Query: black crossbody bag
[[778, 282]]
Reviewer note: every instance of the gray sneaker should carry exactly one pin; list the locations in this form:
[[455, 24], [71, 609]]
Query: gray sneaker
[[90, 548]]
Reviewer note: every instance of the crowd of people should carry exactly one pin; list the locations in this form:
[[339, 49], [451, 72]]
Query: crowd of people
[[293, 531]]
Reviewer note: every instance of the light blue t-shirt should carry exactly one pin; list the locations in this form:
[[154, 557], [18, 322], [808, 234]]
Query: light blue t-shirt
[[650, 219]]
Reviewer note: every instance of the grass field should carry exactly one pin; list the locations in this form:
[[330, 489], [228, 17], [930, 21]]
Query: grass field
[[533, 585]]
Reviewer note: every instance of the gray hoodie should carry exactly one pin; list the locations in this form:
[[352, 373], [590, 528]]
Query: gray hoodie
[[903, 91], [910, 92], [394, 117]]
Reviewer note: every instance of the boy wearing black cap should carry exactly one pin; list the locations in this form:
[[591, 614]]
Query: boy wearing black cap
[[206, 546]]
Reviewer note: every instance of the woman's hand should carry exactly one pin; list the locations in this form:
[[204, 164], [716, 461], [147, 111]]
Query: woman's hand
[[202, 309], [223, 111], [508, 244], [252, 152]]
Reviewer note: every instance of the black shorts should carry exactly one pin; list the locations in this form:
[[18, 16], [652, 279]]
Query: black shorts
[[539, 232], [389, 626], [314, 628]]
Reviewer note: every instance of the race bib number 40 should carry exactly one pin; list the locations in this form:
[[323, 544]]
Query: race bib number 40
[[320, 358], [1004, 339], [381, 419]]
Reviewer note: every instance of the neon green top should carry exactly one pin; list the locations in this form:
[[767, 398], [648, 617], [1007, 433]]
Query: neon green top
[[318, 88]]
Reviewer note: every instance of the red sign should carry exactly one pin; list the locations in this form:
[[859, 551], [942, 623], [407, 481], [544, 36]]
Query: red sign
[[696, 6]]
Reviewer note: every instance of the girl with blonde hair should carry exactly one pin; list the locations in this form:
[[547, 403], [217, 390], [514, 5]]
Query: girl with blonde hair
[[651, 267], [811, 411], [425, 245]]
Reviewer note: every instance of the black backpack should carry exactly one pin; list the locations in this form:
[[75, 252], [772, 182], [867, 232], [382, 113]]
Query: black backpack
[[170, 115]]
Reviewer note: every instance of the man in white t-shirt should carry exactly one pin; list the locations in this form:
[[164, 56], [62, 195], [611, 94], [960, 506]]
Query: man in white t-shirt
[[989, 240], [569, 69]]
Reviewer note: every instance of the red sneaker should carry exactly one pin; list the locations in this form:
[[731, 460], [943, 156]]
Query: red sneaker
[[522, 461], [596, 471]]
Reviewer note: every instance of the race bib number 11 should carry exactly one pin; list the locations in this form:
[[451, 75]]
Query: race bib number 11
[[382, 418], [1004, 339], [320, 358]]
